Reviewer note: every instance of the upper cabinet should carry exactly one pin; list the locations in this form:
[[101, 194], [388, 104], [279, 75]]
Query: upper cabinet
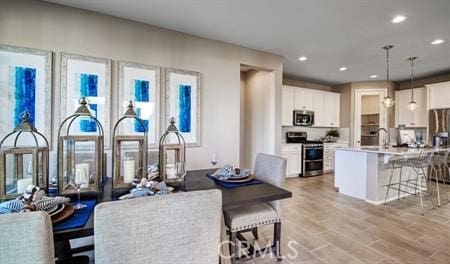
[[303, 99], [318, 108], [416, 118], [438, 95], [332, 109], [287, 104], [326, 105]]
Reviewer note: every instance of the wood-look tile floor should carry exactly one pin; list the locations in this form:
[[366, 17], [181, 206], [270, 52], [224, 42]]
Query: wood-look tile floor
[[322, 226]]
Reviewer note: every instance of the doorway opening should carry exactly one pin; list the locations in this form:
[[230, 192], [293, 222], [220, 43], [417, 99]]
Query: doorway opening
[[257, 114], [370, 117]]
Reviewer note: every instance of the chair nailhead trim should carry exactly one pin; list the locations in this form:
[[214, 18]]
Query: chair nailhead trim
[[268, 222]]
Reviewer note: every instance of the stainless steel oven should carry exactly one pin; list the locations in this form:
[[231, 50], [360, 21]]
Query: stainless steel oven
[[303, 118], [312, 153], [312, 158]]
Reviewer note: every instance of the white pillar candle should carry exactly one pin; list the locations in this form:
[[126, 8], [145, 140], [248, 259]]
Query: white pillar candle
[[82, 174], [170, 171], [128, 170], [22, 184]]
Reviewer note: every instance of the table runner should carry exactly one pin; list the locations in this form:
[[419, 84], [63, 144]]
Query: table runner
[[231, 185], [79, 218]]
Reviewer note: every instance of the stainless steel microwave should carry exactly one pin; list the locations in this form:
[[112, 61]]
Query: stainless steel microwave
[[303, 118]]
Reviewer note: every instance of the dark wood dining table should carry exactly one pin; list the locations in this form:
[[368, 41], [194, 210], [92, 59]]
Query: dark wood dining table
[[194, 181]]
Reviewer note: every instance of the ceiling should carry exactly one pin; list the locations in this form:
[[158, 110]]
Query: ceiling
[[331, 33]]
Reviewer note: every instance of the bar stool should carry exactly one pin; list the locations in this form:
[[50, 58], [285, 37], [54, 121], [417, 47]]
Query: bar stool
[[418, 182], [439, 162]]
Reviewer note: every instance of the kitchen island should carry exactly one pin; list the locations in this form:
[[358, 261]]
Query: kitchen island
[[363, 172]]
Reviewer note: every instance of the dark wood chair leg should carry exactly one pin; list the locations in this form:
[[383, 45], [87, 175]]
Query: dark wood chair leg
[[255, 233], [277, 240], [234, 249]]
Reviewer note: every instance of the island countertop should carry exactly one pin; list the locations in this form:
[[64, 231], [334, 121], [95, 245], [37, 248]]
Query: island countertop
[[392, 150], [363, 172]]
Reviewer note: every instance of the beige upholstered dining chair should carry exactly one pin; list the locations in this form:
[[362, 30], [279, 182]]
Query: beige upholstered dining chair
[[26, 238], [175, 228], [270, 169]]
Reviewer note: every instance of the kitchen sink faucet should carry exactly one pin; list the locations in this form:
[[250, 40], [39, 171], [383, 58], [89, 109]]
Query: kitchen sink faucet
[[386, 136]]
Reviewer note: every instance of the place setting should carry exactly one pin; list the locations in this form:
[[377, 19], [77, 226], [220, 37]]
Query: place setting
[[35, 199], [230, 177]]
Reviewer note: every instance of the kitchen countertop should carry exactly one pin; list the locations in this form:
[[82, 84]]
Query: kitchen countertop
[[329, 143], [392, 150]]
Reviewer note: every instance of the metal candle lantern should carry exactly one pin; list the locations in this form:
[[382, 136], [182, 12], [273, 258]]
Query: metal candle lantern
[[80, 156], [129, 163], [17, 161], [172, 154]]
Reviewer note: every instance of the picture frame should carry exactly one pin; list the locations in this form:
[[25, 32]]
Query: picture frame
[[90, 77], [141, 83], [182, 101], [26, 84]]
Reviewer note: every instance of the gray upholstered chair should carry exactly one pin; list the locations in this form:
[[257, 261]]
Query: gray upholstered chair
[[26, 238], [270, 169], [175, 228]]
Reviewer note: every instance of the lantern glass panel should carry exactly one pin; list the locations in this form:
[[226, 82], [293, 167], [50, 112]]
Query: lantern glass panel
[[80, 164], [130, 163], [173, 163], [22, 167], [18, 173]]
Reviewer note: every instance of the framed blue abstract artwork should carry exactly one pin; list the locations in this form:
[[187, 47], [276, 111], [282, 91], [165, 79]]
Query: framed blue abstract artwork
[[90, 77], [25, 85], [183, 103], [140, 83]]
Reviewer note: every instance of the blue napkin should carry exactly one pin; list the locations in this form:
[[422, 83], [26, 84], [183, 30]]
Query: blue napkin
[[79, 218], [231, 185]]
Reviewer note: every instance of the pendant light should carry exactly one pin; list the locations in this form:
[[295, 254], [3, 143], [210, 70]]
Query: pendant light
[[412, 104], [388, 100]]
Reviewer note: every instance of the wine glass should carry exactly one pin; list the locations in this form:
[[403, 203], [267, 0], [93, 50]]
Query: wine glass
[[214, 158], [79, 205]]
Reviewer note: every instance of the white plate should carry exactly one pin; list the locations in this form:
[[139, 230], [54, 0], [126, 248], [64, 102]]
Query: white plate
[[50, 211], [243, 173], [221, 174], [58, 210]]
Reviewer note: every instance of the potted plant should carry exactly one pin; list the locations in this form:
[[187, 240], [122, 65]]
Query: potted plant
[[332, 135]]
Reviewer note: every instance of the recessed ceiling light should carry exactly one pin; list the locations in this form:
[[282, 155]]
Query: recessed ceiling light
[[437, 42], [373, 76], [398, 19], [343, 68], [302, 58]]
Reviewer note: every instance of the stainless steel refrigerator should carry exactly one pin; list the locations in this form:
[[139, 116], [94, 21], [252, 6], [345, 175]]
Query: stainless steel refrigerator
[[439, 127], [439, 122]]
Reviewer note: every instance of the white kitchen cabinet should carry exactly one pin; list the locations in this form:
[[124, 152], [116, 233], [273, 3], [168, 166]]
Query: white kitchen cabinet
[[318, 108], [303, 99], [421, 113], [293, 155], [287, 105], [438, 95], [403, 116], [325, 105], [328, 156], [331, 109]]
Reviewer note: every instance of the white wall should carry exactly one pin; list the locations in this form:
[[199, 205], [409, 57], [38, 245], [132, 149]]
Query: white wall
[[47, 26], [370, 104], [258, 116]]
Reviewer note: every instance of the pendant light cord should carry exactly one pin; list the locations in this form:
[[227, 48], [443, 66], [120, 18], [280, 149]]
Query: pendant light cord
[[387, 48], [412, 78], [387, 71]]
